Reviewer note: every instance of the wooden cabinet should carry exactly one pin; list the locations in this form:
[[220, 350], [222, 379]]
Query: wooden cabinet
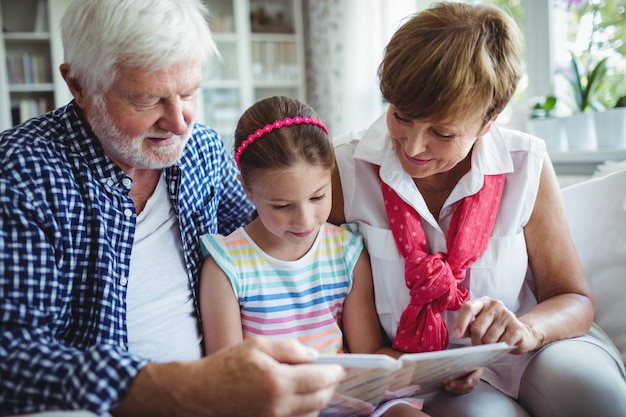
[[30, 53], [262, 49]]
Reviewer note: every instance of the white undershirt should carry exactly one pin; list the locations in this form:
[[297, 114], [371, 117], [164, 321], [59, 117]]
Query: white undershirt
[[161, 319]]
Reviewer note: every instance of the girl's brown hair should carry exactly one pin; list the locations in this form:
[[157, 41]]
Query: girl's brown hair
[[284, 147]]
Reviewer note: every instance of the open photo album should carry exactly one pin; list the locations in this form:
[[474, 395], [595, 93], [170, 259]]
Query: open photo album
[[373, 378]]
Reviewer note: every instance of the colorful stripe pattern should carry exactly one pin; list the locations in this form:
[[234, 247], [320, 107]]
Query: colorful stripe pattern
[[302, 298]]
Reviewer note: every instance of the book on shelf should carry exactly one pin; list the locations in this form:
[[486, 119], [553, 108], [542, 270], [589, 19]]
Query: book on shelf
[[372, 379], [24, 109], [41, 17], [28, 68]]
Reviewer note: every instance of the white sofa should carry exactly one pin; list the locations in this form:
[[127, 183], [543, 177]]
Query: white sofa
[[596, 211]]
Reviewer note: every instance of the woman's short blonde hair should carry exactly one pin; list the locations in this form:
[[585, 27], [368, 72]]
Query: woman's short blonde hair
[[453, 61]]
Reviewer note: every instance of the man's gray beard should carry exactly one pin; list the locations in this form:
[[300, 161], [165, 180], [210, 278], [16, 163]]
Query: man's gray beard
[[129, 150]]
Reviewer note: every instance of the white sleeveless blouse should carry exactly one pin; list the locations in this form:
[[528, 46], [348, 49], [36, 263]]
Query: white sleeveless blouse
[[502, 272]]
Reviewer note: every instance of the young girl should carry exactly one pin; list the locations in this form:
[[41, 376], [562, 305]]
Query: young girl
[[289, 273]]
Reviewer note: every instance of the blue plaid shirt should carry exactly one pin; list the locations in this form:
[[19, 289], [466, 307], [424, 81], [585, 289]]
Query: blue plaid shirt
[[66, 235]]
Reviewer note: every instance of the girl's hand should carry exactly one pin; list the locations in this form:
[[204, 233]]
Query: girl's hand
[[466, 383]]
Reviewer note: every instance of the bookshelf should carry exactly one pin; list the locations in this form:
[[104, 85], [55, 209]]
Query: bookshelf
[[261, 43], [262, 48], [30, 53]]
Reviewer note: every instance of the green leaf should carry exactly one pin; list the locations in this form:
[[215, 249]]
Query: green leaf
[[576, 83], [594, 78], [549, 104], [585, 92]]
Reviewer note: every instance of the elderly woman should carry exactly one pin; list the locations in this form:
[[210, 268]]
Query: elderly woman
[[465, 225]]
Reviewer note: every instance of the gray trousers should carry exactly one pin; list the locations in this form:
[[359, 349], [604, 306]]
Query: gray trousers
[[567, 379]]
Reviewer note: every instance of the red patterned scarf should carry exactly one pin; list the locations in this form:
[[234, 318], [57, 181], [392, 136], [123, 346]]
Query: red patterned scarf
[[432, 279]]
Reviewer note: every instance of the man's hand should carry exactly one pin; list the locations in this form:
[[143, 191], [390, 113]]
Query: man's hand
[[260, 377]]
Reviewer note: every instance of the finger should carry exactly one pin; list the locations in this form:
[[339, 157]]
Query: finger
[[312, 386], [466, 383], [488, 326], [458, 387], [475, 376], [309, 378], [285, 350], [469, 377], [507, 331], [496, 323], [467, 312], [312, 378], [313, 402]]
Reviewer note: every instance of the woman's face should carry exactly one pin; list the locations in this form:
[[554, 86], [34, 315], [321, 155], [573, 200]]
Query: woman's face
[[425, 148]]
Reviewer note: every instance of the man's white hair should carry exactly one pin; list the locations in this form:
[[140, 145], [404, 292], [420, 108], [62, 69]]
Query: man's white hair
[[100, 35]]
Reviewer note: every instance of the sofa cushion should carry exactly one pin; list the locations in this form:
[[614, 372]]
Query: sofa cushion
[[596, 212]]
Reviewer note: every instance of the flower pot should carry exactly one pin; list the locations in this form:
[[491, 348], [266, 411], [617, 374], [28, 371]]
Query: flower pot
[[551, 130], [611, 128], [581, 132]]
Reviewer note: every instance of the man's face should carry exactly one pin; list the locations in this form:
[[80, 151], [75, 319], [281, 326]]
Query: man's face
[[144, 120]]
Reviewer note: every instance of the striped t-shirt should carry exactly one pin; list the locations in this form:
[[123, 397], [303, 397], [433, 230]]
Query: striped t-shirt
[[302, 298]]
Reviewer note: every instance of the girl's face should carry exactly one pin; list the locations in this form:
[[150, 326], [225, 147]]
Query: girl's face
[[426, 148], [292, 205]]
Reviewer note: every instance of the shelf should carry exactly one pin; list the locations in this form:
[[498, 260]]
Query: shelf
[[597, 156], [221, 84], [26, 36], [31, 88], [30, 54], [274, 37], [224, 37], [261, 45], [280, 84], [576, 162]]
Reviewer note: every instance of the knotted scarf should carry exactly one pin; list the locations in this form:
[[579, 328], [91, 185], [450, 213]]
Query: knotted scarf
[[432, 279]]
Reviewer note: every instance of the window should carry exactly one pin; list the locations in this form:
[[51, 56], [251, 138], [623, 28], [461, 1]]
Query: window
[[597, 30], [556, 30]]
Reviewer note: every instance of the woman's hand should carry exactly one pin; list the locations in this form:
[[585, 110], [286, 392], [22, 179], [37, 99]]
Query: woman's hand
[[565, 305], [486, 320]]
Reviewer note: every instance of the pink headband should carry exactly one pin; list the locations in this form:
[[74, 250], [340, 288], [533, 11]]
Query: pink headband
[[288, 121]]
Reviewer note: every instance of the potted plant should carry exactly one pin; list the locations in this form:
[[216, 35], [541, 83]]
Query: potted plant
[[545, 125], [611, 126], [543, 107], [580, 126], [585, 86]]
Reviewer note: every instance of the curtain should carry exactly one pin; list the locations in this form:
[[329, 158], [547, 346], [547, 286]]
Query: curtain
[[344, 43]]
